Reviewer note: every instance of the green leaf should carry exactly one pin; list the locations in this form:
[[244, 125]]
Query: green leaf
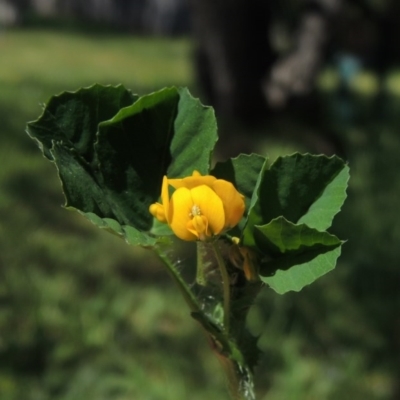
[[167, 132], [297, 185], [134, 237], [112, 149], [133, 153], [302, 273], [322, 211], [131, 235], [81, 187], [73, 117], [281, 236], [299, 254], [195, 137]]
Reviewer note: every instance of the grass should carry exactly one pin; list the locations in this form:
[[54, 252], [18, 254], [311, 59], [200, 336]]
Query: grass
[[68, 61], [84, 316]]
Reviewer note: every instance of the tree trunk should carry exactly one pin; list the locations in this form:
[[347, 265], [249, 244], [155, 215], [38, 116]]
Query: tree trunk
[[236, 64], [233, 54]]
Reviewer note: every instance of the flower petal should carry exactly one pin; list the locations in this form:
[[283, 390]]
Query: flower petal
[[232, 200], [210, 206], [198, 225], [157, 210], [191, 182], [179, 214], [165, 197]]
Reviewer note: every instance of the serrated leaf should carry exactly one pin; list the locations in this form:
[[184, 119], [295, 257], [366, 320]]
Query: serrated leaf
[[82, 190], [322, 211], [167, 132], [73, 117], [195, 137], [108, 224], [290, 246], [133, 153], [135, 237], [292, 185], [281, 237], [131, 235], [160, 229], [80, 187], [112, 150], [302, 273]]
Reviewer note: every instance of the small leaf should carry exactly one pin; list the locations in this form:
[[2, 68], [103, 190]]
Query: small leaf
[[322, 211], [135, 237], [131, 235], [300, 254], [301, 273], [281, 236], [291, 187], [160, 229]]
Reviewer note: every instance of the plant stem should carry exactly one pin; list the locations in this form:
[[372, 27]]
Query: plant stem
[[226, 286], [240, 381], [239, 376], [188, 295]]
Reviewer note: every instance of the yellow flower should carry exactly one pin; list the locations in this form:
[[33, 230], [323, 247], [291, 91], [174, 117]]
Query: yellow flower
[[200, 207]]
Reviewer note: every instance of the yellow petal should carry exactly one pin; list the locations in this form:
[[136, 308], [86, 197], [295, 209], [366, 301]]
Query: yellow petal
[[157, 211], [191, 182], [198, 225], [165, 197], [180, 208], [232, 200], [210, 206]]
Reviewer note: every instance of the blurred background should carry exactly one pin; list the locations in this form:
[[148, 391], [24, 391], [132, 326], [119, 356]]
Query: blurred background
[[84, 316]]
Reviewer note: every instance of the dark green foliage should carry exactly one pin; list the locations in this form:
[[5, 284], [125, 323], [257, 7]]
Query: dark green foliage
[[111, 163]]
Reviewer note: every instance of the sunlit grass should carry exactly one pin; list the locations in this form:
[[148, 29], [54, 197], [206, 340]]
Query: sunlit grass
[[72, 60]]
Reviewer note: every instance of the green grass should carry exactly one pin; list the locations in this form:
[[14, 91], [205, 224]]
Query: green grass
[[67, 61], [84, 316]]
